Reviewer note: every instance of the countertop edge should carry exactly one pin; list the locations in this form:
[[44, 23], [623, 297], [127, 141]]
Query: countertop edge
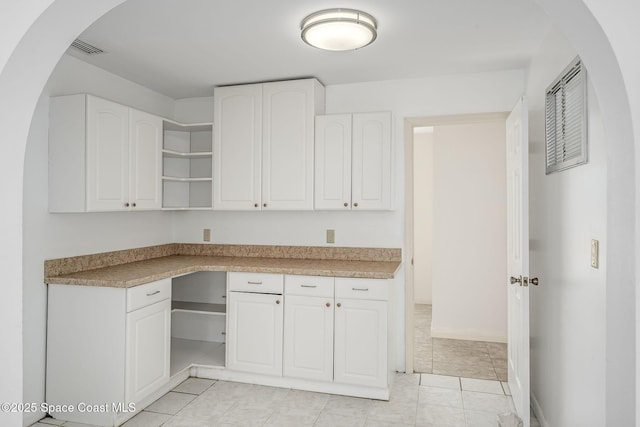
[[192, 266]]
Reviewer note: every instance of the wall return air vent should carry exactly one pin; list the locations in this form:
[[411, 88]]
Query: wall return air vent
[[86, 47], [566, 119]]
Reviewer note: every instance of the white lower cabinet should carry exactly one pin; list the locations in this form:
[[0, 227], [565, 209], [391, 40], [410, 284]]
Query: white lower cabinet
[[255, 324], [107, 349], [341, 338], [360, 356], [148, 350], [308, 327]]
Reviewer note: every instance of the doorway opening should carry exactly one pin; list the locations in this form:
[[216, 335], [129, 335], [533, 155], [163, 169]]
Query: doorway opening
[[456, 235]]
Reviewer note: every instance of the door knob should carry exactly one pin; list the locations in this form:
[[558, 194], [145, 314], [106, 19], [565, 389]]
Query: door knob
[[515, 280], [534, 281]]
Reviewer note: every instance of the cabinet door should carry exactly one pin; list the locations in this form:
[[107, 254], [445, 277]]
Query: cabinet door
[[287, 144], [333, 162], [361, 342], [254, 333], [107, 155], [237, 147], [371, 165], [148, 346], [308, 337], [145, 160]]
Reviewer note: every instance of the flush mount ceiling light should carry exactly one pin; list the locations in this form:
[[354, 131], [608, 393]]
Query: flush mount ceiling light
[[339, 29]]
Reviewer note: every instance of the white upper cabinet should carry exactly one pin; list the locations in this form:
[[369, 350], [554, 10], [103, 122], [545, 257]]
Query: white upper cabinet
[[107, 155], [289, 110], [145, 160], [237, 147], [103, 156], [263, 145], [353, 161], [333, 162]]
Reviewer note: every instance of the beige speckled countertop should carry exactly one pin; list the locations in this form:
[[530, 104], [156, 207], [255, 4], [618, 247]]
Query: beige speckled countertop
[[123, 269]]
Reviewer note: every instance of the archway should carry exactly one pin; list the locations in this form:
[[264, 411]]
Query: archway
[[40, 31]]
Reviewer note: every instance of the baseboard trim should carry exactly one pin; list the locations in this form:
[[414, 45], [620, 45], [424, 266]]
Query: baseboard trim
[[537, 410], [471, 335]]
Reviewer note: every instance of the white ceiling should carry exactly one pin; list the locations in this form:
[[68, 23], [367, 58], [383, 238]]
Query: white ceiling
[[183, 48]]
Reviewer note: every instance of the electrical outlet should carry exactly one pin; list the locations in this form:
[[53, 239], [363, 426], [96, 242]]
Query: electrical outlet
[[206, 235], [331, 236], [595, 253]]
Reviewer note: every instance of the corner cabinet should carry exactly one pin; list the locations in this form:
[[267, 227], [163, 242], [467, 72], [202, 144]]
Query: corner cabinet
[[107, 346], [187, 165], [264, 145], [103, 156], [353, 161]]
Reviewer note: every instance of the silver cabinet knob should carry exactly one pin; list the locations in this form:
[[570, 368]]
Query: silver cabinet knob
[[534, 281], [515, 280]]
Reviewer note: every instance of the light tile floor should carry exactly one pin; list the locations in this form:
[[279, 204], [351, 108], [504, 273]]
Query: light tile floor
[[471, 359], [416, 400]]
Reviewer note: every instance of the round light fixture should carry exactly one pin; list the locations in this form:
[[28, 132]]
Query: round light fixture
[[339, 29]]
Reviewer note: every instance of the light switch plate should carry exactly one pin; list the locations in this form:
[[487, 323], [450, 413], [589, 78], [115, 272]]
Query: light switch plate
[[595, 253], [331, 236], [206, 235]]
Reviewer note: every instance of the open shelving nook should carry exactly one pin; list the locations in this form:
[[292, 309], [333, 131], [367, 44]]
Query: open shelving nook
[[198, 320], [187, 165]]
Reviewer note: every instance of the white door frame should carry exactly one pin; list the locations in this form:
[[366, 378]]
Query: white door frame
[[409, 124]]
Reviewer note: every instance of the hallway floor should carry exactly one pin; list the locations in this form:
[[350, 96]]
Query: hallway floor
[[459, 358], [416, 400]]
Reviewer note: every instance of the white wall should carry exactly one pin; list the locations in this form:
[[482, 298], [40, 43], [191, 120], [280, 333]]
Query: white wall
[[422, 214], [58, 235], [567, 309], [469, 231], [194, 110]]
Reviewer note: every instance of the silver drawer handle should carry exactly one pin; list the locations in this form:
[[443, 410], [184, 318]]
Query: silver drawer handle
[[308, 286], [153, 293], [360, 289], [254, 283]]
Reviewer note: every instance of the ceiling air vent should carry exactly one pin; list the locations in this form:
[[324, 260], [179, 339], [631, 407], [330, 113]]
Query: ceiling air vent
[[86, 47]]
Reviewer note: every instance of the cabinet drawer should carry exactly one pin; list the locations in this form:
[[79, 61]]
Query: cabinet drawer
[[316, 286], [366, 289], [264, 283], [147, 294]]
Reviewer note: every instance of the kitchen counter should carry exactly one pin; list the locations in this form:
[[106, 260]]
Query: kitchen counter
[[123, 269]]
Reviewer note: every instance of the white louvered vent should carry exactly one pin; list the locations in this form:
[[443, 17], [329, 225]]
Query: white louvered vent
[[566, 119], [86, 47]]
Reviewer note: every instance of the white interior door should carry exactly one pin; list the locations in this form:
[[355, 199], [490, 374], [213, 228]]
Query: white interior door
[[518, 257]]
